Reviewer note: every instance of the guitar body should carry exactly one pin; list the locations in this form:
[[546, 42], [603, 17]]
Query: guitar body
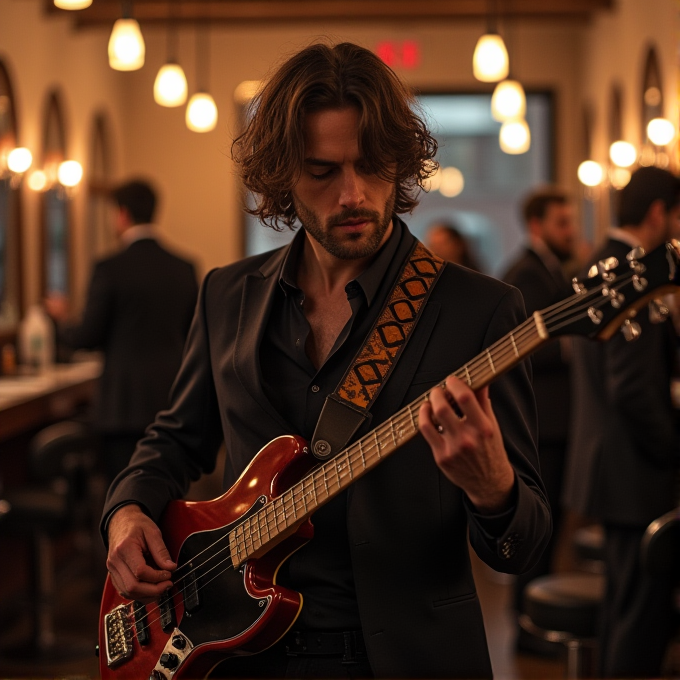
[[216, 611]]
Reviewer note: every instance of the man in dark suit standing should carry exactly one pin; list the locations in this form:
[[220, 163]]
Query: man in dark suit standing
[[139, 307], [335, 142], [623, 459], [539, 275]]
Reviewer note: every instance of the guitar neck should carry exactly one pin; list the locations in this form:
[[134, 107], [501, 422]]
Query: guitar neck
[[279, 517]]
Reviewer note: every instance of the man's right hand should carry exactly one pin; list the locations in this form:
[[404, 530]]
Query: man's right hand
[[138, 561]]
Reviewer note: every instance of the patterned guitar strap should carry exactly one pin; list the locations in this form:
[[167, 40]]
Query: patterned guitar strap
[[348, 407]]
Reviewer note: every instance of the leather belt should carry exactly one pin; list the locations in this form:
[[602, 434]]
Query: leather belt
[[348, 644]]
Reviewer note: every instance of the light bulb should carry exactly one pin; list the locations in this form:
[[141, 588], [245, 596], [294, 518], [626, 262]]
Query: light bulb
[[72, 4], [201, 113], [37, 180], [508, 101], [70, 173], [19, 160], [452, 182], [515, 137], [170, 87], [126, 46], [622, 154], [590, 173], [660, 131], [490, 60]]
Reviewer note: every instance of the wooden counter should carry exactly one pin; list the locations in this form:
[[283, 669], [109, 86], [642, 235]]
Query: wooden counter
[[31, 401]]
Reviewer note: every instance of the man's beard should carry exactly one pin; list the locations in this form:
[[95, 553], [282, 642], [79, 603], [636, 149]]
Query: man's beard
[[352, 246]]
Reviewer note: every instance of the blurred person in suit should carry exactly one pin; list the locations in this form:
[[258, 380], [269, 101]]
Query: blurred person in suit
[[446, 241], [539, 275], [139, 306], [623, 460]]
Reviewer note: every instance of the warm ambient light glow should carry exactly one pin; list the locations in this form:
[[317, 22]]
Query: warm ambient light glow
[[508, 101], [452, 182], [72, 4], [70, 173], [170, 87], [490, 60], [126, 46], [37, 180], [590, 173], [622, 154], [19, 160], [660, 131], [246, 90], [515, 137], [201, 113], [619, 177]]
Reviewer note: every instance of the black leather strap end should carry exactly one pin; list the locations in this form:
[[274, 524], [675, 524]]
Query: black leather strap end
[[337, 424]]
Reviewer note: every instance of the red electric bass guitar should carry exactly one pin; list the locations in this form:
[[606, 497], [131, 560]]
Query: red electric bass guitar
[[225, 599]]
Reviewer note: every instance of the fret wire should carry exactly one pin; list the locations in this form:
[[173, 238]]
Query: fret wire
[[377, 443], [349, 465], [361, 452]]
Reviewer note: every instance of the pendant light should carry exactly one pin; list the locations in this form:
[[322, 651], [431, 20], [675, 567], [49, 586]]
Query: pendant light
[[508, 101], [490, 60], [515, 137], [201, 112], [126, 44], [72, 4], [170, 86]]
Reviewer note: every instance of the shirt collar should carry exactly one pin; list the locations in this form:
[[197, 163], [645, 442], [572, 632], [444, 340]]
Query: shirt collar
[[137, 233], [369, 280]]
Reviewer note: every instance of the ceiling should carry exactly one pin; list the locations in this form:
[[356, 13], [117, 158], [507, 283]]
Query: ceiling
[[105, 12]]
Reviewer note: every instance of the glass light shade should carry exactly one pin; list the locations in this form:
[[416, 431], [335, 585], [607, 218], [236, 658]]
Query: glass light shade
[[622, 154], [37, 180], [515, 137], [201, 113], [490, 60], [70, 173], [619, 177], [72, 4], [170, 87], [590, 173], [508, 101], [452, 182], [19, 160], [126, 46], [660, 131]]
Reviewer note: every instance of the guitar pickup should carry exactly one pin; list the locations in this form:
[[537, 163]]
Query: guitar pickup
[[191, 600], [167, 610], [141, 623]]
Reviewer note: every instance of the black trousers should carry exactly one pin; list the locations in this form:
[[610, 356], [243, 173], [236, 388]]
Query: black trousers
[[279, 662], [637, 618]]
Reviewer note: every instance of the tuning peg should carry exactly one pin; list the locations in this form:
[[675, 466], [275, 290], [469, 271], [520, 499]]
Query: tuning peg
[[605, 267], [635, 254], [577, 286], [595, 315], [631, 330], [658, 311], [593, 272], [614, 296], [639, 283]]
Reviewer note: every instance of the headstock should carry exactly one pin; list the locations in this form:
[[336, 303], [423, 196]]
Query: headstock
[[613, 293]]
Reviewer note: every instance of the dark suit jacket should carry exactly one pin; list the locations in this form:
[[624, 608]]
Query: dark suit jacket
[[541, 288], [139, 308], [624, 449], [407, 524]]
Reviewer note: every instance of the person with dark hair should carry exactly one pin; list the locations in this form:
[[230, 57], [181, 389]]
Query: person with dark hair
[[139, 306], [622, 465], [447, 242], [539, 275], [335, 144]]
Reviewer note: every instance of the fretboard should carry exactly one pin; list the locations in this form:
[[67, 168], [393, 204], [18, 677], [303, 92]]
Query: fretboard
[[326, 481]]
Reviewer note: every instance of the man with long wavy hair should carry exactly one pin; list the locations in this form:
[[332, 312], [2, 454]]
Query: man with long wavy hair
[[335, 145]]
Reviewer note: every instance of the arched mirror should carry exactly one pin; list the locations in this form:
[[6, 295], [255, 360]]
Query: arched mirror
[[100, 235], [10, 216], [55, 212], [652, 92]]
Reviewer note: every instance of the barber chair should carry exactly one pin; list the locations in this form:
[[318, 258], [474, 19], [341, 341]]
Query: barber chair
[[62, 458], [564, 609]]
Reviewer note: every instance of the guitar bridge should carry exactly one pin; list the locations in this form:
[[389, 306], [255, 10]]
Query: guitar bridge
[[118, 635]]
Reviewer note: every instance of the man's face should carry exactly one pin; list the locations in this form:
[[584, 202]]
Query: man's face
[[342, 207], [558, 230]]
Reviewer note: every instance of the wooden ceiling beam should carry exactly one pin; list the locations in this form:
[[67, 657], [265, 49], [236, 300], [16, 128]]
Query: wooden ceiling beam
[[266, 11]]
